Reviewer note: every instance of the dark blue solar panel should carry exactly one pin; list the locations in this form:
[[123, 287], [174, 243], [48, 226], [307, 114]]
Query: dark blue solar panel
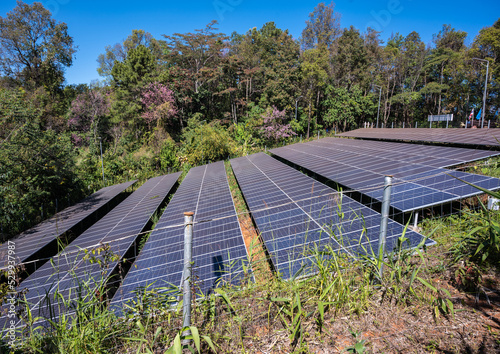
[[359, 164], [304, 214], [73, 267], [31, 242], [219, 252]]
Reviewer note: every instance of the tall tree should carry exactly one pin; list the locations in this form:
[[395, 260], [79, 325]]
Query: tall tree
[[129, 78], [195, 60], [487, 46], [34, 48], [118, 52], [322, 28], [442, 65]]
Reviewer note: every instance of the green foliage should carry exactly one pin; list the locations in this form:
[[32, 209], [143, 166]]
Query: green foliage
[[359, 346], [36, 166], [346, 107], [129, 77], [206, 142], [168, 155], [482, 243], [34, 48]]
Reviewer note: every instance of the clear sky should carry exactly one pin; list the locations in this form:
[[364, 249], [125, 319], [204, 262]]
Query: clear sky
[[95, 24]]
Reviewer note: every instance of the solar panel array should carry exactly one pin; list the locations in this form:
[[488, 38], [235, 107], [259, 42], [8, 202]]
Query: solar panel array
[[476, 137], [218, 247], [419, 179], [34, 241], [295, 214], [118, 229]]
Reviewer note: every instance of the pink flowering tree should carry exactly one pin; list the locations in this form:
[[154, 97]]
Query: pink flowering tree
[[158, 103], [88, 110], [274, 127]]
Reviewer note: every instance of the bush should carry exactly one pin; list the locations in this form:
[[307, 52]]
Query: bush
[[206, 142]]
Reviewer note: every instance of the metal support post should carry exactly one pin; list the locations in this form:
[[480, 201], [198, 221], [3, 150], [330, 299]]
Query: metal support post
[[392, 125], [446, 124], [186, 278], [416, 124], [102, 161], [430, 124], [386, 202], [488, 124], [415, 220], [403, 125]]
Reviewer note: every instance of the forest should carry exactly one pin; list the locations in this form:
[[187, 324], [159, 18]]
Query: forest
[[165, 104]]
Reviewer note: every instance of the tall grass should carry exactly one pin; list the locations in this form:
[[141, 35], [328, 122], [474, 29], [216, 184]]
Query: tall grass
[[339, 284]]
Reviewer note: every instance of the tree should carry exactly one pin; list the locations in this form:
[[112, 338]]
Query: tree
[[347, 107], [34, 48], [196, 61], [487, 46], [159, 104], [351, 59], [36, 166], [87, 111], [198, 53], [442, 65], [119, 51], [314, 70], [279, 62], [274, 128], [322, 28], [129, 78]]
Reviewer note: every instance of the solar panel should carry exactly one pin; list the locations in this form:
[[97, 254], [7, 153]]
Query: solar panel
[[295, 214], [41, 240], [474, 137], [438, 156], [361, 165], [119, 229], [218, 247]]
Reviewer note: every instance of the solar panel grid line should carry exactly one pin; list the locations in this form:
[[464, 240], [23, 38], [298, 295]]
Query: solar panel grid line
[[476, 137], [221, 237], [32, 241], [294, 152], [454, 155], [68, 272], [281, 230]]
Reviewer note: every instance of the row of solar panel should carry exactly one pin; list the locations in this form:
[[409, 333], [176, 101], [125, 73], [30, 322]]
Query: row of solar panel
[[218, 248], [78, 266], [474, 137], [294, 214], [299, 218], [359, 166]]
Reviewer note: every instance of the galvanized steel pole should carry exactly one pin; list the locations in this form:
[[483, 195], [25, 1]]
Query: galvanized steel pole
[[386, 202], [186, 278]]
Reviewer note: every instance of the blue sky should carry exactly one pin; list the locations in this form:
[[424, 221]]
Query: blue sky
[[95, 24]]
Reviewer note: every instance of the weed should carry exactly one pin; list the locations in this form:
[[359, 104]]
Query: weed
[[359, 346]]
